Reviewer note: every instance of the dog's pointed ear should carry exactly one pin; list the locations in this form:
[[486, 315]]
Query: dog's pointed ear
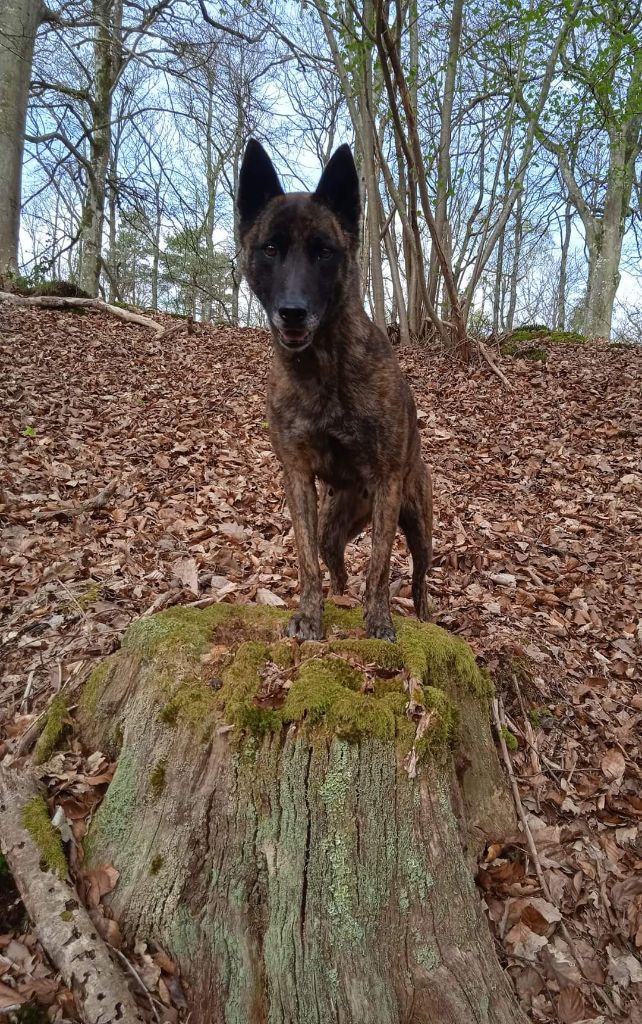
[[258, 183], [338, 189]]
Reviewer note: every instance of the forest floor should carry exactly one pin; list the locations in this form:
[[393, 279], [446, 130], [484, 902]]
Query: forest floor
[[538, 565]]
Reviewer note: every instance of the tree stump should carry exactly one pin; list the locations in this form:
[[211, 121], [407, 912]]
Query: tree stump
[[296, 824]]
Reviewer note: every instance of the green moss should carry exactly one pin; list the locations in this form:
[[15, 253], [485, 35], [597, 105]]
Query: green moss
[[509, 739], [57, 719], [95, 685], [111, 827], [157, 779], [567, 338], [187, 632], [443, 725], [381, 653], [177, 630], [37, 822], [156, 864], [67, 915], [194, 705], [536, 355], [439, 659], [282, 653], [509, 348], [241, 685], [327, 690], [31, 1013], [341, 618]]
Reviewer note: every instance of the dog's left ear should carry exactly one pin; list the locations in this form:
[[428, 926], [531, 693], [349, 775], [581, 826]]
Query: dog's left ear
[[258, 184], [338, 189]]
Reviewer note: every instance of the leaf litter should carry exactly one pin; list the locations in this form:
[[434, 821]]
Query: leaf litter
[[148, 480]]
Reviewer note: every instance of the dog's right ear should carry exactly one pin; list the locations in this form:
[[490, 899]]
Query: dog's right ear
[[258, 183]]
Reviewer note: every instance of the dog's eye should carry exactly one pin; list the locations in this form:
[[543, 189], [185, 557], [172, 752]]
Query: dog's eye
[[270, 251], [324, 253]]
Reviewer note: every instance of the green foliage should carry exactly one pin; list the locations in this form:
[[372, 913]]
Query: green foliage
[[29, 431], [195, 276]]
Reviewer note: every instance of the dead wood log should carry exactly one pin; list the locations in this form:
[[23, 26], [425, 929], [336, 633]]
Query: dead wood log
[[64, 302], [266, 827], [36, 858]]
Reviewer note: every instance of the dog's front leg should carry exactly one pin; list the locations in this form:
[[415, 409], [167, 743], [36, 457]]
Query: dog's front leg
[[306, 624], [385, 516]]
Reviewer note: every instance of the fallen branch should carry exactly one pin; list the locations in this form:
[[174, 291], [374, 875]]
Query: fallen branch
[[90, 505], [62, 924], [485, 352], [58, 302]]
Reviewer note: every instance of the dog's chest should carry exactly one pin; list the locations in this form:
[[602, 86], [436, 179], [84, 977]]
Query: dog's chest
[[336, 438]]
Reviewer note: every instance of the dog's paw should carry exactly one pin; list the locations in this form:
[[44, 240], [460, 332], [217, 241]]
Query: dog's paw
[[382, 629], [304, 628]]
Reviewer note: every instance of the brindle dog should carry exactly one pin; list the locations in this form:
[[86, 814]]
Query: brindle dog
[[338, 407]]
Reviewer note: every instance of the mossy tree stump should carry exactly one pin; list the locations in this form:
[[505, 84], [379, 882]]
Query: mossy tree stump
[[286, 832]]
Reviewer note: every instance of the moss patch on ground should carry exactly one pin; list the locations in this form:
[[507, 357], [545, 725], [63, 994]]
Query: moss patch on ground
[[55, 724], [36, 820], [518, 342]]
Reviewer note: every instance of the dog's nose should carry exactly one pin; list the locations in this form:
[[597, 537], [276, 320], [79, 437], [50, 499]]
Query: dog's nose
[[293, 316]]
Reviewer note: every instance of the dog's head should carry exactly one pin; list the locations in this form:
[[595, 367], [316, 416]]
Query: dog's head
[[299, 248]]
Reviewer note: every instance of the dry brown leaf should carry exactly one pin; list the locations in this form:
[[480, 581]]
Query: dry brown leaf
[[9, 997], [571, 1006], [613, 765], [264, 596]]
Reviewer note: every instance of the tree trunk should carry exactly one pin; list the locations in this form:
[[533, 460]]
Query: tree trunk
[[560, 318], [19, 21], [444, 182], [605, 250], [311, 859], [498, 312], [93, 214], [517, 253], [373, 199]]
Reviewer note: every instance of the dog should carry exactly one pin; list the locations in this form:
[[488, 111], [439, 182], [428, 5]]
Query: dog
[[340, 412]]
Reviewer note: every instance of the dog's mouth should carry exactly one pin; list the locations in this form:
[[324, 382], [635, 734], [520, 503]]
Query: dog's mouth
[[294, 339]]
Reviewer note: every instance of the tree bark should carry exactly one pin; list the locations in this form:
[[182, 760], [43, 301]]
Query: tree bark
[[312, 863], [19, 21], [560, 318], [107, 59], [517, 254], [444, 182]]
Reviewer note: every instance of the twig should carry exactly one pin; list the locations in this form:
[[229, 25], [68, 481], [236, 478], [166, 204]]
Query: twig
[[519, 807], [485, 352], [91, 504], [130, 967], [25, 697]]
